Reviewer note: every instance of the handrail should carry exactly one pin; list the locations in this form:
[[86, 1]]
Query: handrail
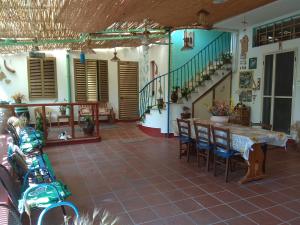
[[188, 76]]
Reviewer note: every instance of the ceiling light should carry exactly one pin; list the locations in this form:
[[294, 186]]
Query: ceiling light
[[219, 1], [115, 58]]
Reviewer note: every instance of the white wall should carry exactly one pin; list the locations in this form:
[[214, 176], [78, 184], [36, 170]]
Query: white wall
[[259, 52], [142, 54]]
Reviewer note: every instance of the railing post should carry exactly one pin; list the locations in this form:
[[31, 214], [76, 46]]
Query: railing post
[[44, 122], [72, 120], [169, 70]]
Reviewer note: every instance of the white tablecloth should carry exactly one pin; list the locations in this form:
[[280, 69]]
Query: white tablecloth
[[242, 137]]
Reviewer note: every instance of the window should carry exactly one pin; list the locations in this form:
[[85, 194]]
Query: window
[[91, 80], [42, 78], [285, 29]]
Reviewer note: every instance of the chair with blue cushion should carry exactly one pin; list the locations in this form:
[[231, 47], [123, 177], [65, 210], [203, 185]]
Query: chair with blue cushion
[[203, 142], [222, 149], [185, 140]]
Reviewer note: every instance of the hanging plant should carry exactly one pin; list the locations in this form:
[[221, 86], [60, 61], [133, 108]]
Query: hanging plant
[[186, 92], [174, 94]]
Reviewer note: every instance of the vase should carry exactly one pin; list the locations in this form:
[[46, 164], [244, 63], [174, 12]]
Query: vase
[[219, 119]]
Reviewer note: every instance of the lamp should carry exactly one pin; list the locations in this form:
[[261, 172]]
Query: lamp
[[115, 58]]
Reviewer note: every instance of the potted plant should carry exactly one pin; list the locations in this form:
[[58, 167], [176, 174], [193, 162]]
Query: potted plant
[[160, 104], [89, 126], [220, 112], [174, 94], [226, 58], [186, 114], [18, 97], [63, 110], [186, 92]]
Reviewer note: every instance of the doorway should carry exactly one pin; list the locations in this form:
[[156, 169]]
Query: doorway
[[278, 90], [128, 90]]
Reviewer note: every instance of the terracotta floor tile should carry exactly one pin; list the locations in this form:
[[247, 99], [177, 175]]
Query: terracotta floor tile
[[167, 210], [208, 201], [261, 202], [143, 215], [240, 221], [124, 219], [129, 170], [179, 220], [188, 205], [243, 207], [226, 196], [155, 199], [203, 217], [134, 204], [224, 212], [264, 218], [283, 213]]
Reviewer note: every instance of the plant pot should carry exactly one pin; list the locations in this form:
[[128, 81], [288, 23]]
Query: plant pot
[[174, 96], [219, 119], [185, 115], [160, 103]]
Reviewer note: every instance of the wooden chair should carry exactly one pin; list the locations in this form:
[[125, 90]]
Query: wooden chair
[[185, 140], [85, 110], [105, 109], [222, 149], [203, 142]]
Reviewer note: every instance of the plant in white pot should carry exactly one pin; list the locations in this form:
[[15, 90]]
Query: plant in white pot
[[220, 112]]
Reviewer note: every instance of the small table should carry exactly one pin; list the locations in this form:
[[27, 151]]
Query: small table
[[62, 117]]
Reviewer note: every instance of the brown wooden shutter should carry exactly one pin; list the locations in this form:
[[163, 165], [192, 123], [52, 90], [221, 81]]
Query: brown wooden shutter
[[42, 78], [128, 90], [80, 81], [103, 80], [49, 78], [35, 79], [91, 80]]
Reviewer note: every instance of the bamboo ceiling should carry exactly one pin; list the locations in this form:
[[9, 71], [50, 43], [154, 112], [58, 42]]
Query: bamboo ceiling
[[77, 24]]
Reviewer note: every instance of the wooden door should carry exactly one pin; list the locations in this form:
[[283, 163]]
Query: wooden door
[[128, 90]]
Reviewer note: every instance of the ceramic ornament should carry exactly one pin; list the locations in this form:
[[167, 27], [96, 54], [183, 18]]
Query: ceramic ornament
[[9, 69], [2, 76]]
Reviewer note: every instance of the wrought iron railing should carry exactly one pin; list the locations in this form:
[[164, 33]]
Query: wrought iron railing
[[188, 76]]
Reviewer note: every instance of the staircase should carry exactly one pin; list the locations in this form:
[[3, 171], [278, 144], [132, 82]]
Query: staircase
[[193, 78]]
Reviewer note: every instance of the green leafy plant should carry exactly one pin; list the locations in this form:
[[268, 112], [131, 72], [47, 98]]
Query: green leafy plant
[[206, 77], [226, 58], [39, 122], [174, 94], [160, 104], [148, 109], [186, 92]]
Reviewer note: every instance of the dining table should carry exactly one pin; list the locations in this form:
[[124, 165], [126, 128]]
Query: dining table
[[251, 142]]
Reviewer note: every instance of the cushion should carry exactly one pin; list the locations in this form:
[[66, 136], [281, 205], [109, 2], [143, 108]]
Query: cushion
[[225, 153], [201, 145]]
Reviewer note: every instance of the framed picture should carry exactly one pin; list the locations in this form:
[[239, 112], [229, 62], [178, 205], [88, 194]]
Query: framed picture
[[246, 80], [245, 96], [252, 63]]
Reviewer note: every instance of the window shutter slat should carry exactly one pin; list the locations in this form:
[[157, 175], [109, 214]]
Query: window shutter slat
[[80, 81], [91, 77], [103, 80]]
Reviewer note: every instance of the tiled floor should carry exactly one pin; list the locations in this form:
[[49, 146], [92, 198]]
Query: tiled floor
[[140, 180]]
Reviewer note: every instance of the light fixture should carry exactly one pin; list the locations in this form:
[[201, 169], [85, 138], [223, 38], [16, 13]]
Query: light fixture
[[219, 1], [202, 19], [115, 58], [245, 24]]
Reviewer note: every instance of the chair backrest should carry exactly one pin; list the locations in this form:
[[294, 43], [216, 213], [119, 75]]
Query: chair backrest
[[202, 132], [221, 138], [262, 125], [8, 215], [184, 128], [85, 109], [13, 133], [10, 186], [55, 205]]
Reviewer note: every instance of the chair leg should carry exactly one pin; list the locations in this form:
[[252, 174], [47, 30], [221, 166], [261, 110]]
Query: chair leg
[[227, 169], [215, 165], [188, 152], [207, 160]]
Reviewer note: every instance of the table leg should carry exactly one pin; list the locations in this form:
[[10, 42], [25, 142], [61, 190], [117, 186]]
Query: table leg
[[255, 165]]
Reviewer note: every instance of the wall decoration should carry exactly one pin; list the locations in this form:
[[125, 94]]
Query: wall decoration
[[7, 81], [252, 63], [188, 40], [246, 79], [245, 96], [9, 69], [244, 45], [2, 76]]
